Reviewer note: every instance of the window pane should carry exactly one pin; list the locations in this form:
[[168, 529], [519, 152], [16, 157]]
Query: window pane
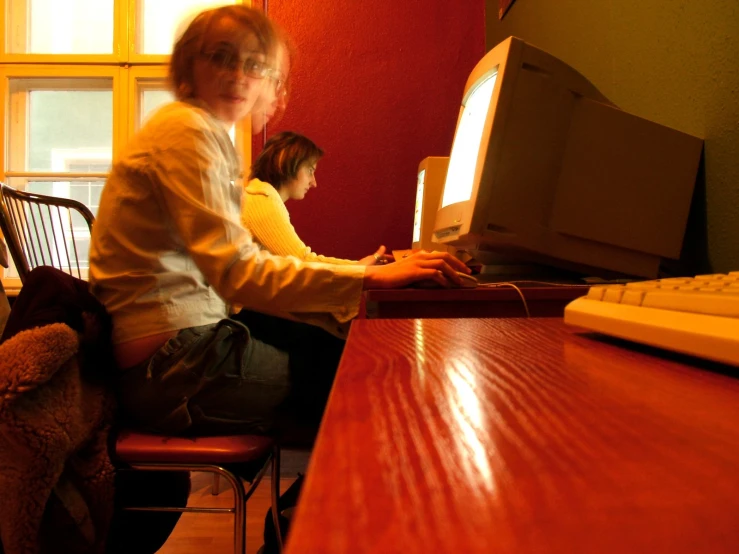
[[61, 130], [160, 21], [152, 96], [153, 99], [86, 192], [70, 130], [56, 27]]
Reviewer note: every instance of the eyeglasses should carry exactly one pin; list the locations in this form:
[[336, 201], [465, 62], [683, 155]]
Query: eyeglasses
[[226, 60]]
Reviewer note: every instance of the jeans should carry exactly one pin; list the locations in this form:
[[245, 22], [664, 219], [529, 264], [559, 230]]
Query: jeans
[[272, 378]]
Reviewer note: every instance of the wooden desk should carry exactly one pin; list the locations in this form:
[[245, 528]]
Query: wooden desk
[[518, 436], [543, 301]]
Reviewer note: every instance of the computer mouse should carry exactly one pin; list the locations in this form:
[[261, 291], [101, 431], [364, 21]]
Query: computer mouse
[[468, 282]]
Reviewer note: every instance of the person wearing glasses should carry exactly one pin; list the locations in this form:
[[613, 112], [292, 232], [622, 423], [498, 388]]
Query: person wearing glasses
[[269, 109], [169, 254], [286, 170]]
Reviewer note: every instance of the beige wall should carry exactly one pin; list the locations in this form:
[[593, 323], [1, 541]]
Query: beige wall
[[675, 62]]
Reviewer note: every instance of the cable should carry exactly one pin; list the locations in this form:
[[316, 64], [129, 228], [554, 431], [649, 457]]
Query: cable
[[529, 281], [518, 290]]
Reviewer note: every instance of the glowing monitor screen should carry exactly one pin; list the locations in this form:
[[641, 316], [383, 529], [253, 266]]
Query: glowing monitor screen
[[419, 206], [463, 160]]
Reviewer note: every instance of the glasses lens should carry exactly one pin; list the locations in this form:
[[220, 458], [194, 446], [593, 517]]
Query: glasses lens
[[255, 68], [222, 59], [278, 81], [226, 60]]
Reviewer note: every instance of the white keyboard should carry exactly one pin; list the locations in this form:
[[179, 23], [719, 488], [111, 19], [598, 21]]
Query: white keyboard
[[693, 315]]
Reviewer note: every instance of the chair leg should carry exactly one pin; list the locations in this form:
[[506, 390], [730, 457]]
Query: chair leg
[[241, 495], [239, 512], [276, 495]]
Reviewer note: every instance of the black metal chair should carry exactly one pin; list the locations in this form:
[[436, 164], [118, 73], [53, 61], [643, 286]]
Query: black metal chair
[[45, 230], [4, 303]]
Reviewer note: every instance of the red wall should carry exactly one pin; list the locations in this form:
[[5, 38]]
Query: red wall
[[377, 85]]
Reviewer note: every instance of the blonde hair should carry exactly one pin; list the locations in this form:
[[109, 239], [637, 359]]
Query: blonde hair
[[190, 44]]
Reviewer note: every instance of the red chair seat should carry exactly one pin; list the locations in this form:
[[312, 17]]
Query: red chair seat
[[136, 447]]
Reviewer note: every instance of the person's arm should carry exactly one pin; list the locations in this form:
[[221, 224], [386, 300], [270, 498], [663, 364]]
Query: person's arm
[[203, 209], [266, 216]]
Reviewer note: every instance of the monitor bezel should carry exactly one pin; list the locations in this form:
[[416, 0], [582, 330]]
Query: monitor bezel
[[455, 220]]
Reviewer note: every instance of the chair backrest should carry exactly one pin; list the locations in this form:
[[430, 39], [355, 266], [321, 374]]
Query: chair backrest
[[45, 230], [3, 250]]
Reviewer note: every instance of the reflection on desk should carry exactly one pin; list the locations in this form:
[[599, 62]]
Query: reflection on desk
[[513, 435]]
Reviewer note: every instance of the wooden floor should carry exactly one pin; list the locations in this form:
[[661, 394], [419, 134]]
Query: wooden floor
[[213, 533]]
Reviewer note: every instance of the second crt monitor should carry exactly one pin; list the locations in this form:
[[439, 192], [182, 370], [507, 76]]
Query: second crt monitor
[[545, 169], [431, 176]]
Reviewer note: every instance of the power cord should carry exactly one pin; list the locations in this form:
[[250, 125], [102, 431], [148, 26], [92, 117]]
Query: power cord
[[527, 281]]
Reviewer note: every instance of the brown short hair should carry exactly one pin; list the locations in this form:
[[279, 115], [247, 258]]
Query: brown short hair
[[282, 156], [190, 44]]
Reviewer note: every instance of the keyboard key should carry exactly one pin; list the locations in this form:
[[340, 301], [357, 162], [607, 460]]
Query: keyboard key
[[633, 297], [644, 285], [698, 302], [673, 281], [596, 293], [613, 294]]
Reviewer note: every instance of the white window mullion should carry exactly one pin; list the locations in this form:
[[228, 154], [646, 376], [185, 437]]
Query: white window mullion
[[17, 16]]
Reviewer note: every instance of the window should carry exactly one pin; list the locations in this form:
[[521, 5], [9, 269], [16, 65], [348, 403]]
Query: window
[[77, 80], [53, 27]]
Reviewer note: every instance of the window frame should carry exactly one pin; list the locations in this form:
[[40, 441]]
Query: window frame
[[120, 38], [45, 75], [127, 69]]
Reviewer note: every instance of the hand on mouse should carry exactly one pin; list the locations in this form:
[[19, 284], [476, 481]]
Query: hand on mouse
[[378, 258], [441, 267]]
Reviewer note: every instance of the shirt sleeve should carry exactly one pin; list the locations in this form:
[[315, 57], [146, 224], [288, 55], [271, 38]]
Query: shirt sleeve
[[266, 216], [203, 206]]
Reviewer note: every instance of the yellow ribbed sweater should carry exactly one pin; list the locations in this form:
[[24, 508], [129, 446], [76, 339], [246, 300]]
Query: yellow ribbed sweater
[[264, 213]]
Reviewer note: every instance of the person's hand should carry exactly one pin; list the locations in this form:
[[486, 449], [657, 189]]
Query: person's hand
[[441, 267], [378, 258]]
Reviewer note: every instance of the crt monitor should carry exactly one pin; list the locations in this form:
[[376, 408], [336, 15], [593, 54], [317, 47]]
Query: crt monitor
[[431, 176], [545, 170]]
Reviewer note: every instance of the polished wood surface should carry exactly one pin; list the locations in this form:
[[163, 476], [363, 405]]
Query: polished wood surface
[[542, 301], [514, 435]]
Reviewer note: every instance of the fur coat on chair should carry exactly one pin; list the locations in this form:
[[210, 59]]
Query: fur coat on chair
[[56, 478]]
